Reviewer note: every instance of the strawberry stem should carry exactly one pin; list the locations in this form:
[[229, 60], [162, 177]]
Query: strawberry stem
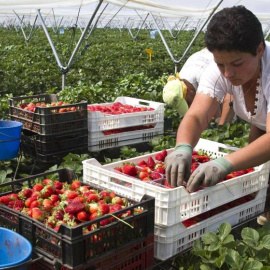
[[122, 221]]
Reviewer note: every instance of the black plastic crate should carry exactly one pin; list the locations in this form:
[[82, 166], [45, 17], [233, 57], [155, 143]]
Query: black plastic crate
[[48, 120], [45, 152], [47, 144], [138, 254], [70, 247]]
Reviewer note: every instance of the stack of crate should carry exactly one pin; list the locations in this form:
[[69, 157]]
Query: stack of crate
[[182, 217], [50, 132], [137, 121]]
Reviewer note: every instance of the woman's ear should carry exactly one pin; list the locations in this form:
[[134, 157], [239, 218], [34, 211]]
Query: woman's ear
[[260, 50]]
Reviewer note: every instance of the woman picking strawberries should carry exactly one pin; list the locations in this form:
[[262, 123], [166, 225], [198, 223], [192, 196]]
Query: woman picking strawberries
[[241, 68]]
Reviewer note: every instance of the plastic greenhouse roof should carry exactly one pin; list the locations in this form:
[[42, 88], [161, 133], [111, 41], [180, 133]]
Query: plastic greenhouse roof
[[163, 7]]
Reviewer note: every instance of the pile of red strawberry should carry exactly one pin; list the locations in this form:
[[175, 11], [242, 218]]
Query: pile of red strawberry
[[154, 168], [117, 108], [55, 203], [32, 106]]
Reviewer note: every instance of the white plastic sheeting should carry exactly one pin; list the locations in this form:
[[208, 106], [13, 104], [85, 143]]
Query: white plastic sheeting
[[164, 7]]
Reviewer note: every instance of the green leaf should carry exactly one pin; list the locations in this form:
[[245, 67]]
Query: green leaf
[[206, 267], [234, 259], [252, 265], [210, 238], [220, 260], [266, 242], [3, 175], [224, 230], [214, 246], [250, 237]]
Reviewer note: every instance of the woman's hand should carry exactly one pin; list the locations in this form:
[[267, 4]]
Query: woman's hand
[[209, 173]]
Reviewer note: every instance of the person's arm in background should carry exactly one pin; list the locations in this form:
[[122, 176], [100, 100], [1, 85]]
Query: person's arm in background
[[227, 112], [191, 92]]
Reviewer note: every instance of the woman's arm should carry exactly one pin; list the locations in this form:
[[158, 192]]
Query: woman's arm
[[254, 154]]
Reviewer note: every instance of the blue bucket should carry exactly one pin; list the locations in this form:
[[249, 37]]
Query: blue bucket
[[10, 135], [14, 249]]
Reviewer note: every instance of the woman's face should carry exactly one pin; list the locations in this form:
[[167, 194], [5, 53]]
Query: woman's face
[[239, 67]]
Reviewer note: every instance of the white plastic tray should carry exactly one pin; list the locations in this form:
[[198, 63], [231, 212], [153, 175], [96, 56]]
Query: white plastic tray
[[98, 121], [177, 204]]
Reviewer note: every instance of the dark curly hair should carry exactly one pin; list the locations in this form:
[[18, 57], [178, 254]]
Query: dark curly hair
[[234, 29]]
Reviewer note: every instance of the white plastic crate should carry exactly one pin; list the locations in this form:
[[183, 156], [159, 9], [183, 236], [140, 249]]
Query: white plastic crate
[[170, 240], [98, 121], [106, 144], [177, 204], [98, 141]]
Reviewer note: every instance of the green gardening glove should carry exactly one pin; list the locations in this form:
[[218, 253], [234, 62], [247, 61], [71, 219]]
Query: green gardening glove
[[209, 173]]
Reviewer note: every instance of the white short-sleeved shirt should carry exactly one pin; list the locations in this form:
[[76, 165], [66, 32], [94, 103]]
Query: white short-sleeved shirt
[[195, 66], [216, 85]]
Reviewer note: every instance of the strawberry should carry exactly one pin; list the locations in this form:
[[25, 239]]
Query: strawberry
[[4, 199], [104, 208], [105, 222], [142, 163], [78, 199], [159, 157], [118, 169], [142, 175], [76, 184], [47, 181], [150, 162], [164, 153], [27, 192], [92, 198], [95, 215], [58, 185], [47, 191], [117, 200], [34, 204], [105, 196], [112, 194], [159, 164], [37, 214], [47, 204], [115, 207], [160, 170], [54, 198], [155, 175], [59, 214], [129, 169], [82, 216], [93, 207], [28, 201], [38, 187], [146, 169], [13, 196], [71, 194], [84, 189], [167, 184], [16, 205], [74, 207], [146, 179]]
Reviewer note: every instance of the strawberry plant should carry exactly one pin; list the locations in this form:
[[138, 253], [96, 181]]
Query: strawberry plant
[[222, 251]]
